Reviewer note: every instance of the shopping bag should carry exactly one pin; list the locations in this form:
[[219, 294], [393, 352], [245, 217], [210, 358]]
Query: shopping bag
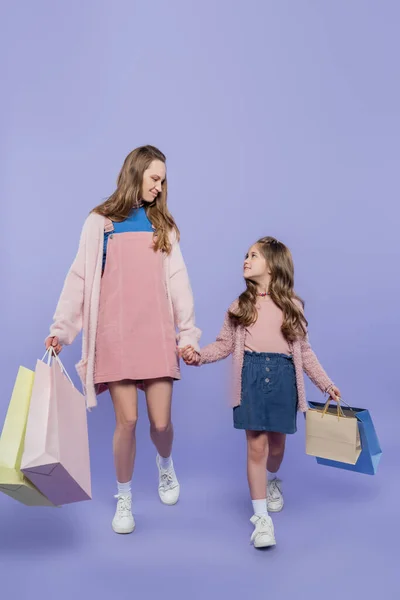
[[56, 455], [12, 481], [371, 452], [332, 433]]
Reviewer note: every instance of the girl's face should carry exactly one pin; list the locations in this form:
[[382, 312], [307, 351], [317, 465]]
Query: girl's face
[[153, 180], [255, 266]]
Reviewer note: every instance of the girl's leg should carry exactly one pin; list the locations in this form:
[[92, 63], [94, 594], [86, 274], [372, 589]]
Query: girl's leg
[[276, 443], [125, 401], [257, 454], [159, 400]]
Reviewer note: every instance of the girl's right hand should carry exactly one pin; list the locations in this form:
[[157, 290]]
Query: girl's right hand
[[53, 341]]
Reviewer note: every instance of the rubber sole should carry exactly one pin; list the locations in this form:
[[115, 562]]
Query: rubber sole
[[123, 531]]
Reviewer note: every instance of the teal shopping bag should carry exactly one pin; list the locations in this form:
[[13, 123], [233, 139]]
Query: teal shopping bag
[[371, 451]]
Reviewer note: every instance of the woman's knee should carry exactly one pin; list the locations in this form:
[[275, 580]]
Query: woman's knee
[[160, 427], [127, 423]]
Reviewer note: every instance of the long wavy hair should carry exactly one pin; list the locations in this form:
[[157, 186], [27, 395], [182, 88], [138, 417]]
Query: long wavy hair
[[281, 289], [128, 196]]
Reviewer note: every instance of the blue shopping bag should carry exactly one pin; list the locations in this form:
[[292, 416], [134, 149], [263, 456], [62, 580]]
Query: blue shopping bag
[[371, 452]]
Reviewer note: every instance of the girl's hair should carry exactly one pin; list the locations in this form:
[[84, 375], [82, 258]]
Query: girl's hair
[[280, 263], [128, 196]]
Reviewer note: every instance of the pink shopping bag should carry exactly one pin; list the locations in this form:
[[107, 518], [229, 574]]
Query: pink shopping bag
[[56, 453]]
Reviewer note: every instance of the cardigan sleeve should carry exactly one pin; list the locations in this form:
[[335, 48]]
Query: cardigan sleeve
[[182, 299], [222, 347], [313, 368], [68, 317], [311, 365]]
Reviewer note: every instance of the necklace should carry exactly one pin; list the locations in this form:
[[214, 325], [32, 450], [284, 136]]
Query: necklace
[[263, 294]]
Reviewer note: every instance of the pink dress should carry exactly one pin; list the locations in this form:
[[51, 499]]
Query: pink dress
[[136, 336]]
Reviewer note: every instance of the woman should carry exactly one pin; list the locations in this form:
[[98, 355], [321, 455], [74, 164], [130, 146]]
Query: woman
[[128, 289]]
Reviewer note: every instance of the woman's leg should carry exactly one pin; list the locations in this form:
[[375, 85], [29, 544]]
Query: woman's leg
[[125, 401], [159, 400]]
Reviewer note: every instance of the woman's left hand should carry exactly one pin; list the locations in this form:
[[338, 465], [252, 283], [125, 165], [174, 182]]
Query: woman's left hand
[[334, 393]]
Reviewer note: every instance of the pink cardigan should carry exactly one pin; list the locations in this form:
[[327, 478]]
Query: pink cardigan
[[78, 305], [231, 341]]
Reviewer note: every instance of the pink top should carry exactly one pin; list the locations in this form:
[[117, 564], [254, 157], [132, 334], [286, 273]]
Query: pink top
[[265, 334]]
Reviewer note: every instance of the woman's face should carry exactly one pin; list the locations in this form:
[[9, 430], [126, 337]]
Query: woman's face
[[153, 180]]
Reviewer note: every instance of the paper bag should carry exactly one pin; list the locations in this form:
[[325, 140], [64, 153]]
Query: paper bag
[[371, 452], [12, 481], [56, 455], [332, 433]]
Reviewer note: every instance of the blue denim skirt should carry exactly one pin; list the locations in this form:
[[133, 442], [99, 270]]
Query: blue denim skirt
[[269, 394]]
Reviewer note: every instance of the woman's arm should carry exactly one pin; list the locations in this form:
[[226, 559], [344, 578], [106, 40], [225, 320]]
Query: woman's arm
[[67, 320], [182, 300]]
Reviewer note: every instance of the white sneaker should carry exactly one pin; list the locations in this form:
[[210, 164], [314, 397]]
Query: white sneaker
[[274, 495], [263, 535], [168, 484], [123, 521]]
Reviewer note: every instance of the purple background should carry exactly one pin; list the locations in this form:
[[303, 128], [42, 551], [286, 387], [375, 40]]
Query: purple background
[[277, 118]]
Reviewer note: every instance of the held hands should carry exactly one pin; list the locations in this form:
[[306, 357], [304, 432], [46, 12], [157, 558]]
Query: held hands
[[190, 356], [53, 341]]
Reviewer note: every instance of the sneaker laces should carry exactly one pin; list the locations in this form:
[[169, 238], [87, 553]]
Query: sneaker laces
[[274, 489], [262, 526], [167, 479], [124, 505]]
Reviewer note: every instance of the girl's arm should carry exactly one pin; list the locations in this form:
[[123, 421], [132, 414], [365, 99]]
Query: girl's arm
[[313, 368], [311, 365], [182, 300], [67, 320], [222, 347]]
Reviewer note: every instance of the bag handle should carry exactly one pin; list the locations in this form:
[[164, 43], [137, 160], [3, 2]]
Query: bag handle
[[51, 353], [340, 412]]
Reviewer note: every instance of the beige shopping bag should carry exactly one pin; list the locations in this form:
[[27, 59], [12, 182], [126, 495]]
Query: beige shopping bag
[[332, 433]]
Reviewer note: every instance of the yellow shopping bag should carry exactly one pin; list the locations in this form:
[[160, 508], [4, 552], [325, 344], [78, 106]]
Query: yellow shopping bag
[[12, 481]]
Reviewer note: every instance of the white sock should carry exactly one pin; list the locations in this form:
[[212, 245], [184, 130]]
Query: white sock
[[124, 488], [165, 463], [260, 507], [271, 476]]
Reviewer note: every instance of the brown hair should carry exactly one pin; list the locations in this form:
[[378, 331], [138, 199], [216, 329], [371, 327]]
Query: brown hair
[[279, 260], [128, 196]]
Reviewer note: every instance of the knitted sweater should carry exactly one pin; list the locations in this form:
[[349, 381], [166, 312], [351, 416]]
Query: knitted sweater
[[231, 340]]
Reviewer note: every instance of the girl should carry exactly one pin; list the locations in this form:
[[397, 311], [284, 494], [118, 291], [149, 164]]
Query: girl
[[128, 289], [266, 332]]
